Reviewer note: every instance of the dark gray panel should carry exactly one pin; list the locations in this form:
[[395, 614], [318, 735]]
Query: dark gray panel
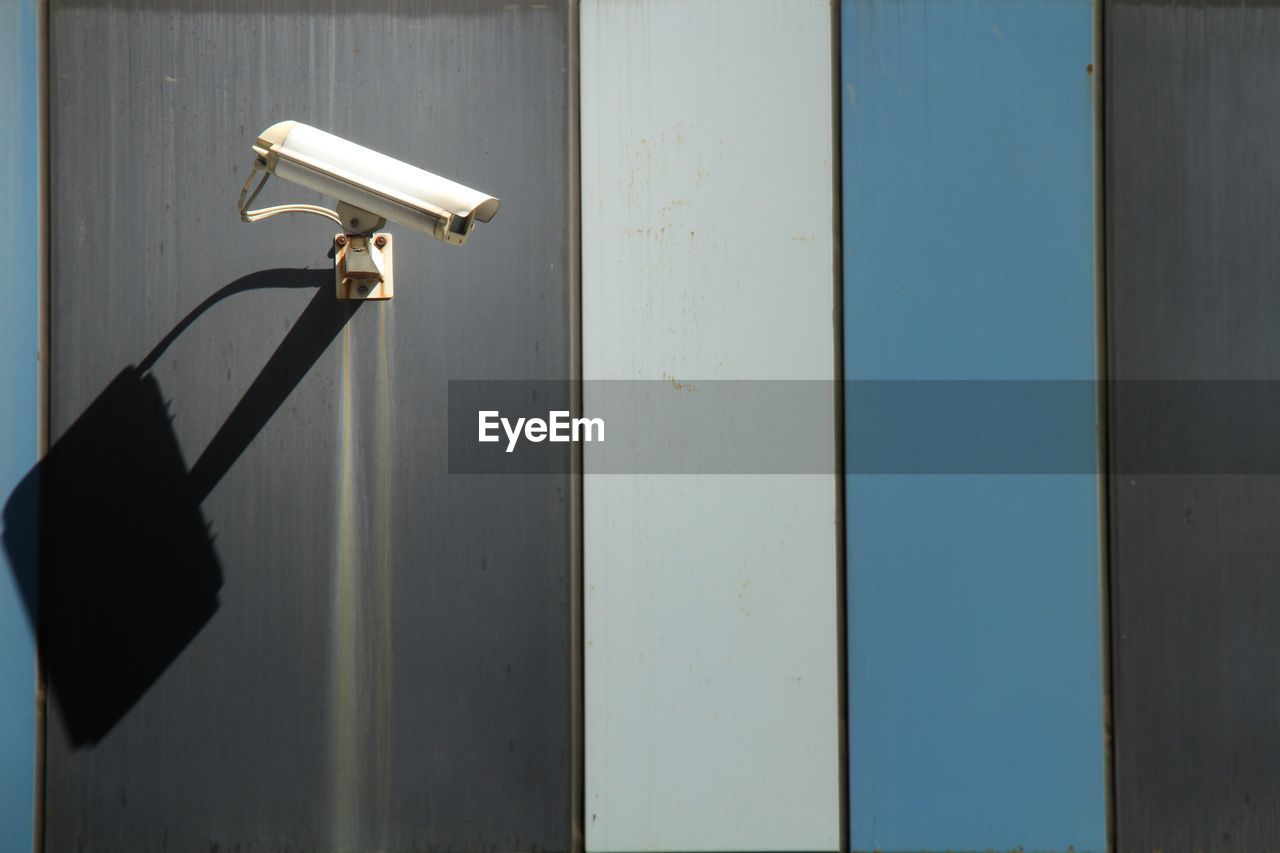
[[363, 651], [1193, 195]]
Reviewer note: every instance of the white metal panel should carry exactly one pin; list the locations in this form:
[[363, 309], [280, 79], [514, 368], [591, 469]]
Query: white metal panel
[[711, 600]]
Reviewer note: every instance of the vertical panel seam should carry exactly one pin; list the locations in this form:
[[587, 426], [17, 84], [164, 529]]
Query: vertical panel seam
[[837, 318], [44, 261], [1106, 584], [578, 715]]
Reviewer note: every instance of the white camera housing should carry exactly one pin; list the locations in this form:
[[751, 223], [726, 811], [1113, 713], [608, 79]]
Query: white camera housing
[[371, 188]]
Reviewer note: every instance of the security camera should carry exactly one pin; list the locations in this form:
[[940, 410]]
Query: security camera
[[371, 188]]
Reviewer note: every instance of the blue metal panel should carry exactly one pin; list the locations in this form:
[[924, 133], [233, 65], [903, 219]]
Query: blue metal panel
[[19, 306], [975, 664]]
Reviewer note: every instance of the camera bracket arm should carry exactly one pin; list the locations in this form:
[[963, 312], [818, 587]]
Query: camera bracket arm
[[362, 259]]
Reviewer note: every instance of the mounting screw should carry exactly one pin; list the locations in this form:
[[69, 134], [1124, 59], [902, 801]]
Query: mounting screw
[[364, 289], [341, 240], [380, 241]]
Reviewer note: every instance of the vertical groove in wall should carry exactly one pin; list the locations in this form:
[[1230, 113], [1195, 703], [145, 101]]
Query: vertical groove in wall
[[45, 44], [1105, 586], [577, 738], [837, 330]]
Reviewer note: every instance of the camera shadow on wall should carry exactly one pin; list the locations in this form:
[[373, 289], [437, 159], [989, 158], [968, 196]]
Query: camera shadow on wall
[[111, 551]]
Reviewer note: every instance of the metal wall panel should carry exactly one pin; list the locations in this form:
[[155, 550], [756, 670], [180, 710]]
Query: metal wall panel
[[975, 667], [19, 399], [711, 637], [364, 651], [1193, 120]]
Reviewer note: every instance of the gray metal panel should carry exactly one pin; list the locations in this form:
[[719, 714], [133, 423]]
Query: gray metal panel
[[1193, 194], [365, 652]]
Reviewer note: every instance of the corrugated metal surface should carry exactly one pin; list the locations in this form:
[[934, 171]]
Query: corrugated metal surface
[[19, 344], [1193, 188], [364, 652], [711, 615], [975, 667]]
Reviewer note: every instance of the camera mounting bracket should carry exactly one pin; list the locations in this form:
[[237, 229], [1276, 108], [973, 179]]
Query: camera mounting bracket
[[362, 266]]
